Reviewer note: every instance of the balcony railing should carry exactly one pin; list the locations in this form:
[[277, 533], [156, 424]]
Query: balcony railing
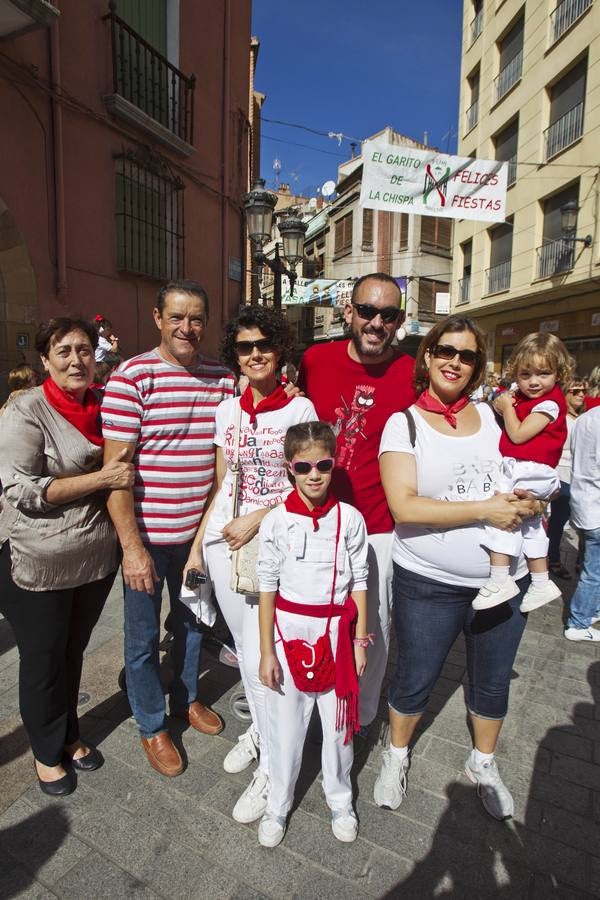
[[555, 257], [563, 16], [564, 131], [477, 26], [145, 78], [508, 76], [472, 115], [497, 278], [464, 289]]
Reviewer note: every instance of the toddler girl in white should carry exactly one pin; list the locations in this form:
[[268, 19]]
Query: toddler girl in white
[[312, 568], [532, 439]]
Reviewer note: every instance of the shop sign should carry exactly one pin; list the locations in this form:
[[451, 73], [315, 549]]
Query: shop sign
[[509, 331], [549, 325]]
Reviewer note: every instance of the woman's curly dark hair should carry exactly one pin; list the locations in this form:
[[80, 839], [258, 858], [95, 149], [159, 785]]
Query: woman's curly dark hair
[[271, 322]]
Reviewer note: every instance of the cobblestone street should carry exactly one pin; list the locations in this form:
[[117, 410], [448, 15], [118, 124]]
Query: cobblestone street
[[128, 832]]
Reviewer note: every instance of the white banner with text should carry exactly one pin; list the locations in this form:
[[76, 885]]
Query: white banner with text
[[430, 183]]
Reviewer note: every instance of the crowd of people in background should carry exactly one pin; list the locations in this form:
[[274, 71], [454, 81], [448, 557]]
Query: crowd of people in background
[[375, 491]]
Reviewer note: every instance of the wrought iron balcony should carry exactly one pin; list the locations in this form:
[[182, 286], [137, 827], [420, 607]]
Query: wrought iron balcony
[[565, 14], [508, 76], [472, 115], [149, 82], [564, 131], [497, 278], [477, 26], [464, 289], [555, 257]]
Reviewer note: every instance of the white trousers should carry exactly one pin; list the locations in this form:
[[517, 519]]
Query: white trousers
[[240, 611], [530, 538], [379, 621], [288, 716]]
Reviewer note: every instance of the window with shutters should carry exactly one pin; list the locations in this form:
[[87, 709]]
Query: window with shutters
[[367, 230], [436, 234], [428, 288], [567, 101], [343, 236], [403, 242]]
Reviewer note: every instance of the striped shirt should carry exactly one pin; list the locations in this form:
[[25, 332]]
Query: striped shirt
[[168, 411]]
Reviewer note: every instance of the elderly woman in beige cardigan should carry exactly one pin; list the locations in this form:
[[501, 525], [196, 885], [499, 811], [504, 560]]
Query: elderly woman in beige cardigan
[[59, 555]]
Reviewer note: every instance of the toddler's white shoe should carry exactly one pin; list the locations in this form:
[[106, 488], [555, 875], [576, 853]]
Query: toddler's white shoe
[[271, 830], [253, 801], [492, 594], [390, 787], [344, 825], [538, 595], [244, 752], [582, 634]]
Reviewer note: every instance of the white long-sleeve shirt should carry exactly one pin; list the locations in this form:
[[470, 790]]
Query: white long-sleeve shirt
[[585, 476], [298, 561]]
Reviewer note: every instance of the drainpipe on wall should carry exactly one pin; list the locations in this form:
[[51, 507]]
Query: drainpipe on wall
[[225, 162], [57, 152]]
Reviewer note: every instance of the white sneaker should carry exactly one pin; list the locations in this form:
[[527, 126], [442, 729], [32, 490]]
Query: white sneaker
[[582, 634], [344, 825], [271, 830], [253, 801], [243, 753], [538, 595], [390, 787], [492, 594], [491, 790]]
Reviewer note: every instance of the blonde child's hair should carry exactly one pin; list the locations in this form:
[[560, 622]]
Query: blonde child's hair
[[548, 348]]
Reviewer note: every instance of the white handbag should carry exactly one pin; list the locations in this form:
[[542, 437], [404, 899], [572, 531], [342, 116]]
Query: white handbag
[[244, 577]]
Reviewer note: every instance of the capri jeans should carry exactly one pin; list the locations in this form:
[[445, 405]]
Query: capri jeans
[[428, 617]]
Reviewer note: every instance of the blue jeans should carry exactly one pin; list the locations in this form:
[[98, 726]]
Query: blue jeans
[[428, 617], [585, 602], [142, 635], [560, 510]]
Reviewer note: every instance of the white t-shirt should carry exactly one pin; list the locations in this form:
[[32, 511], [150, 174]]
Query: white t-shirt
[[299, 560], [585, 473], [448, 468], [263, 473], [104, 346]]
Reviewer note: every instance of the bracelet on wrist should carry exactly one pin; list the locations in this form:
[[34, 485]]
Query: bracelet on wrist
[[364, 641]]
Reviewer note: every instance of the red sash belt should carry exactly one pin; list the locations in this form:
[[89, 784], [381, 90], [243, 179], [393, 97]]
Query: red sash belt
[[346, 679]]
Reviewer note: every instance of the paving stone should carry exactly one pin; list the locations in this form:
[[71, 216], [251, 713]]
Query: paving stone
[[17, 881], [571, 829], [594, 884], [383, 873], [577, 771], [40, 840], [313, 838], [546, 887], [564, 794], [99, 878]]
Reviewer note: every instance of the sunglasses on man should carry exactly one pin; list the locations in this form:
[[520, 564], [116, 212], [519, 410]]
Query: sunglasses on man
[[367, 311]]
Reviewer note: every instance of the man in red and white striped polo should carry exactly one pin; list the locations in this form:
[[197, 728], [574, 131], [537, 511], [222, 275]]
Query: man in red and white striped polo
[[159, 412]]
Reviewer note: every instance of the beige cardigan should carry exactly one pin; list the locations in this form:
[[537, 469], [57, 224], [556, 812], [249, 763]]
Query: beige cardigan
[[52, 547]]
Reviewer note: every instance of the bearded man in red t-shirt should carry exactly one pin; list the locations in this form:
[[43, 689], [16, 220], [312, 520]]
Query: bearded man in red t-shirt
[[356, 385]]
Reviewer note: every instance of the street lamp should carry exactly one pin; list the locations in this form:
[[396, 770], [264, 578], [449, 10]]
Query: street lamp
[[568, 224], [259, 205]]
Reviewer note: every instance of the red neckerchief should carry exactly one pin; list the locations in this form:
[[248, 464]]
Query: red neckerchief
[[447, 410], [82, 416], [277, 399], [295, 504]]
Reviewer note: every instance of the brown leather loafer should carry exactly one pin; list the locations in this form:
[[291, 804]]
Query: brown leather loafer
[[163, 755], [202, 718]]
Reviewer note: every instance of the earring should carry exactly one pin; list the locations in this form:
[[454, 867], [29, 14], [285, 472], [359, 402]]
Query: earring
[[401, 333]]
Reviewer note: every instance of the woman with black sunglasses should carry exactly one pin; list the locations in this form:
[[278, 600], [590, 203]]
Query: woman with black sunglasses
[[256, 344], [438, 466]]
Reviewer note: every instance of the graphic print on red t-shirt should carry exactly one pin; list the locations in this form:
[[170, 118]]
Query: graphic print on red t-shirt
[[351, 424]]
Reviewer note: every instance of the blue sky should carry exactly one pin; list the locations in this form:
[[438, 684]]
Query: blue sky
[[353, 67]]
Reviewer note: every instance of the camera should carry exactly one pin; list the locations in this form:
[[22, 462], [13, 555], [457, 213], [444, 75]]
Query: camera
[[194, 579]]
